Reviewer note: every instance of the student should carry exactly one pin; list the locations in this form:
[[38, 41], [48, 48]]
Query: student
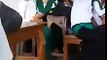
[[44, 7], [98, 10], [81, 15], [91, 36], [93, 43]]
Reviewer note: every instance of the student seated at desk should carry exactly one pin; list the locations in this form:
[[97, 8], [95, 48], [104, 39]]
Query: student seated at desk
[[39, 14], [41, 9], [44, 7], [51, 8], [93, 38]]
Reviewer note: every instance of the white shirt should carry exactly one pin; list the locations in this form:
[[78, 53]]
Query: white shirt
[[97, 12], [44, 4], [81, 12], [27, 9]]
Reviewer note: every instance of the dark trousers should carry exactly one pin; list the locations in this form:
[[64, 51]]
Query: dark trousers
[[57, 37], [93, 43]]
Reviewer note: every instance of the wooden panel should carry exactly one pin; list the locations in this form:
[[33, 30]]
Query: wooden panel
[[29, 31]]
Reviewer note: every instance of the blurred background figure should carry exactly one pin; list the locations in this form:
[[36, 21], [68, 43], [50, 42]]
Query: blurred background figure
[[98, 11]]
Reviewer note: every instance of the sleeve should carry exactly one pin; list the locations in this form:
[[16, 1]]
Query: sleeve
[[27, 9], [21, 7], [99, 11], [30, 10]]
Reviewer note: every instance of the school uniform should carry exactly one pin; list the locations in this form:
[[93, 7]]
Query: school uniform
[[81, 14], [53, 35]]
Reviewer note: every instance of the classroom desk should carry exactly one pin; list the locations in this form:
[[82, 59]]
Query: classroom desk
[[29, 30]]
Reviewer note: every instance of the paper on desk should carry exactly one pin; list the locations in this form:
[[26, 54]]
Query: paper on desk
[[5, 51]]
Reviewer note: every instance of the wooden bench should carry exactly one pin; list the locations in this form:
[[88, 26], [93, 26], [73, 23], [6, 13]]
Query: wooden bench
[[69, 39], [28, 30]]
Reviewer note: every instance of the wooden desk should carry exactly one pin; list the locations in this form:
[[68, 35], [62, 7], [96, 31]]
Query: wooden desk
[[29, 30]]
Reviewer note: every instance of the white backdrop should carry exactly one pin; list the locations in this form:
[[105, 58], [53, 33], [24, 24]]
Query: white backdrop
[[5, 52]]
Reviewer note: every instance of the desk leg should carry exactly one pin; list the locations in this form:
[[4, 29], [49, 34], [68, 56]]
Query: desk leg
[[41, 46], [65, 50], [13, 48]]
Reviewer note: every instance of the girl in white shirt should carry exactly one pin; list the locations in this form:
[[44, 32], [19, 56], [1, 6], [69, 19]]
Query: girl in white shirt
[[98, 10], [81, 15], [93, 38]]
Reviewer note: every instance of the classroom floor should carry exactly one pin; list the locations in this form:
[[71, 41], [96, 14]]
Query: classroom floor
[[73, 53]]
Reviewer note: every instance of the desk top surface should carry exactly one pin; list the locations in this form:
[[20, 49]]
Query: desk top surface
[[28, 24]]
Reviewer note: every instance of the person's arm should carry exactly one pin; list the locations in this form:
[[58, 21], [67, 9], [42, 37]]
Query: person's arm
[[97, 8], [67, 2], [103, 20]]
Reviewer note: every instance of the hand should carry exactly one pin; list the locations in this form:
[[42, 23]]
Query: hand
[[103, 20], [37, 18]]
